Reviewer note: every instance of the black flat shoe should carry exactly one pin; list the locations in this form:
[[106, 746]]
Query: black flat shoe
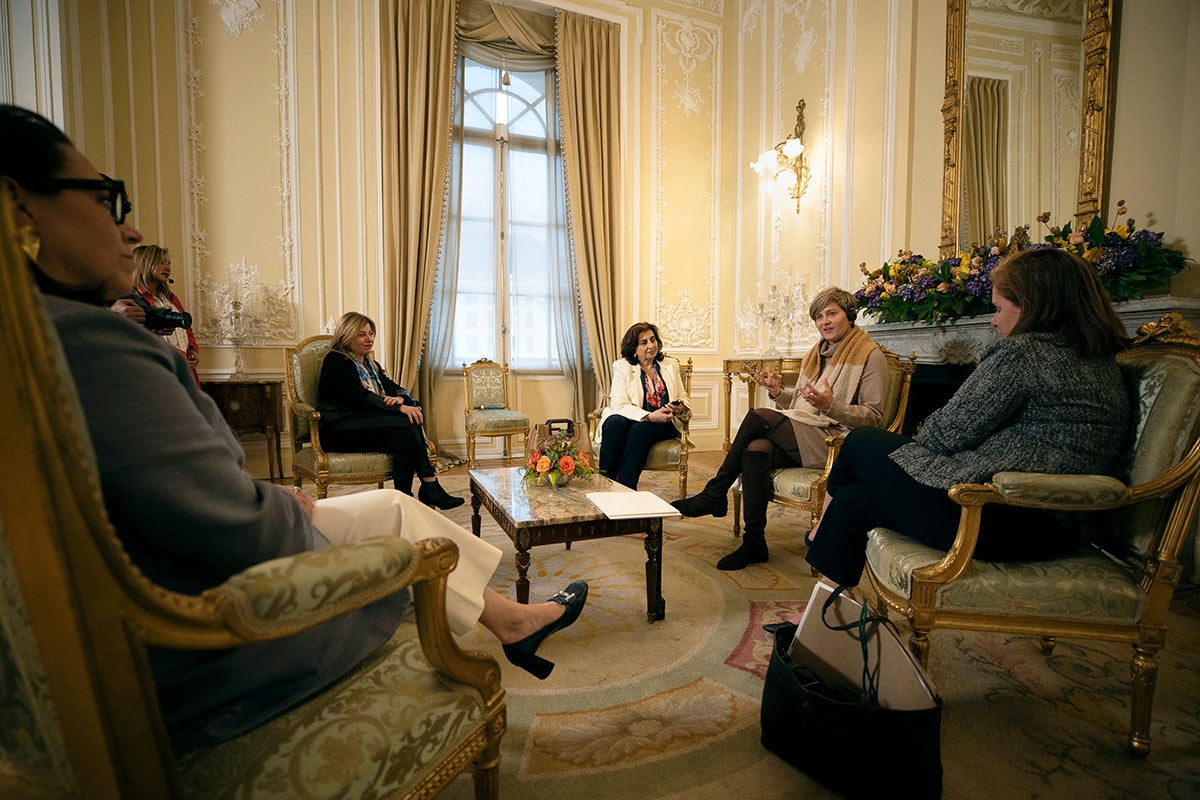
[[703, 504], [432, 494], [524, 653]]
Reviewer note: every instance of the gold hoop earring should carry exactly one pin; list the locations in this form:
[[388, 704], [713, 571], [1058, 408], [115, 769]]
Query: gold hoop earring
[[30, 241]]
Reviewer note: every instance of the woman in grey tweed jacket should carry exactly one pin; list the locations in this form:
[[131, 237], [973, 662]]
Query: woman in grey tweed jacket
[[1046, 398]]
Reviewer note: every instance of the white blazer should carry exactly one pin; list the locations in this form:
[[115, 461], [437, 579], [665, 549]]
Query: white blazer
[[626, 395]]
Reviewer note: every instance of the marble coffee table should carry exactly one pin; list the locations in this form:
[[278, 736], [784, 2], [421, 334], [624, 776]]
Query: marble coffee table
[[537, 515]]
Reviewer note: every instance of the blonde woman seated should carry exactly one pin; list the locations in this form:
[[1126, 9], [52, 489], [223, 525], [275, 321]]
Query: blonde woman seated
[[841, 386], [365, 411], [645, 405]]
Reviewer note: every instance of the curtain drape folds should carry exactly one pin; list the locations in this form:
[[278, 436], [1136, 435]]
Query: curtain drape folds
[[481, 21], [985, 157], [416, 74], [588, 52]]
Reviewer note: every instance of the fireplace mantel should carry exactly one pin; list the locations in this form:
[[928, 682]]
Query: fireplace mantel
[[962, 341]]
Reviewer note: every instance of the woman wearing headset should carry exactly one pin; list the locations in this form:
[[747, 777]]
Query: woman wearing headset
[[842, 384]]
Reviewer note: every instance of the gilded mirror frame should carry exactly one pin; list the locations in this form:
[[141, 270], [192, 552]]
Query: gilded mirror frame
[[1095, 141]]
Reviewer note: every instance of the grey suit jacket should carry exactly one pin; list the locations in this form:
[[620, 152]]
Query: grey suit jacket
[[190, 517]]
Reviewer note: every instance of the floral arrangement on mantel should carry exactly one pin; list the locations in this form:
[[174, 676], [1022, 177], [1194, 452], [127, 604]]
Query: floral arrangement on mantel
[[914, 289], [555, 460]]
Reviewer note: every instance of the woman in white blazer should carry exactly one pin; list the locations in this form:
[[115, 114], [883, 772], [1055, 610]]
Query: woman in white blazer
[[646, 404]]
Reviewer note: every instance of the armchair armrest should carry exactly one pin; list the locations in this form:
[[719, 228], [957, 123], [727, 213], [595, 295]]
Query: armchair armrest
[[1060, 492], [286, 595]]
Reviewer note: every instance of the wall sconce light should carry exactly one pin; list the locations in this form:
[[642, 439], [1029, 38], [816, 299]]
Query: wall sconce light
[[784, 166]]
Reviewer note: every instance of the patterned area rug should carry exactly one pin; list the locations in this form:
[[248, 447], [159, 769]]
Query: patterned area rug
[[670, 710]]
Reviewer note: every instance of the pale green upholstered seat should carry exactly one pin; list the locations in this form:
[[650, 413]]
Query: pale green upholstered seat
[[302, 371], [384, 728], [79, 715], [488, 412], [804, 487], [1118, 584]]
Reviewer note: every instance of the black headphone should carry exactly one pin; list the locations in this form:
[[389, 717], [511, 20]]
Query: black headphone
[[852, 314]]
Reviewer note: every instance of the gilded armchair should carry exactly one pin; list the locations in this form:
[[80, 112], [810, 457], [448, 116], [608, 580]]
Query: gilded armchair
[[804, 487], [1118, 585], [81, 716], [670, 455], [302, 370], [487, 411]]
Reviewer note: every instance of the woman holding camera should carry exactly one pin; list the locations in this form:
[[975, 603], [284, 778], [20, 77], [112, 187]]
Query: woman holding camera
[[151, 283], [645, 405]]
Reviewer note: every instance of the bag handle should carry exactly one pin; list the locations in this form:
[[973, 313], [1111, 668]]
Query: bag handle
[[870, 692]]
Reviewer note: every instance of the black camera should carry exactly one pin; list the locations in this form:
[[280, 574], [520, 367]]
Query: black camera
[[165, 318], [158, 318]]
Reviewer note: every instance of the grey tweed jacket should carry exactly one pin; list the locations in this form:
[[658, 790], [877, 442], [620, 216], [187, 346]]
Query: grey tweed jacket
[[1031, 405]]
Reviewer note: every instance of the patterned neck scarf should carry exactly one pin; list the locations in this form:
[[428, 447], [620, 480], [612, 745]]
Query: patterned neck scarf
[[368, 375], [653, 390]]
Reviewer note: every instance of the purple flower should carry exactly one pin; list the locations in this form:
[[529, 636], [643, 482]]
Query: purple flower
[[1116, 259]]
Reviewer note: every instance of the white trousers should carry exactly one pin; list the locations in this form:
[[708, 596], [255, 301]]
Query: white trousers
[[387, 512]]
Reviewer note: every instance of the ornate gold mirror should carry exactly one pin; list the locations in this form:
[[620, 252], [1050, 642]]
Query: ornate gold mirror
[[1027, 114]]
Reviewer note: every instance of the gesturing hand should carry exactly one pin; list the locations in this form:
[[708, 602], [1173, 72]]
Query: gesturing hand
[[769, 381], [819, 395]]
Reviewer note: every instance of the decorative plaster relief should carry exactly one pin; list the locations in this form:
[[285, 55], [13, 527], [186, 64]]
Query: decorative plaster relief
[[711, 6], [798, 40], [1063, 10], [238, 16], [687, 61], [754, 14]]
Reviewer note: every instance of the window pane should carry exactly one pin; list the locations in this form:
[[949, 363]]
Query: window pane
[[529, 86], [477, 257], [527, 186], [478, 181], [529, 260], [474, 328], [532, 336]]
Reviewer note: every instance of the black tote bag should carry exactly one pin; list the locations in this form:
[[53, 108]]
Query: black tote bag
[[844, 739]]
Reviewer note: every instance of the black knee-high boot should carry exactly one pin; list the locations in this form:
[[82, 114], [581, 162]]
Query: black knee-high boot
[[757, 490], [714, 497]]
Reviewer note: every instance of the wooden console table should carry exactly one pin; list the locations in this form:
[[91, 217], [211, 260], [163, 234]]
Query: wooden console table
[[252, 406]]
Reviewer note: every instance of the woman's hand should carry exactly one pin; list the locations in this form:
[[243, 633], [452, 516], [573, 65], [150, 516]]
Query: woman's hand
[[193, 358], [393, 401], [305, 502], [818, 395], [663, 414], [128, 309], [769, 381], [413, 413]]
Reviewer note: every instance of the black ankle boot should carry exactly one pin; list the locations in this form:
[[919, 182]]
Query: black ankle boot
[[432, 494], [757, 489], [709, 501]]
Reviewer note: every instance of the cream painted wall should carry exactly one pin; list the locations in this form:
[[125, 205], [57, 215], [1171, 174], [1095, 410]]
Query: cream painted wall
[[257, 142]]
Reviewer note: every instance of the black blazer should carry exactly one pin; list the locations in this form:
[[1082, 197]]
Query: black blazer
[[340, 393]]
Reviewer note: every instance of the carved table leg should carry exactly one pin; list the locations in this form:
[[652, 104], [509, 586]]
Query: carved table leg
[[656, 606], [475, 503], [522, 574]]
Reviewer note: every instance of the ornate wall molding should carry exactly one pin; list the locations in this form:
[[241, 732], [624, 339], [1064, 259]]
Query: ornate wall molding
[[288, 162], [238, 16]]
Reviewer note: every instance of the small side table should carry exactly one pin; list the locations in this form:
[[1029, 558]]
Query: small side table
[[252, 406]]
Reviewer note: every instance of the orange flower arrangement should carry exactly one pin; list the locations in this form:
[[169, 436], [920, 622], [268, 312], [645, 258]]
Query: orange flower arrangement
[[556, 460]]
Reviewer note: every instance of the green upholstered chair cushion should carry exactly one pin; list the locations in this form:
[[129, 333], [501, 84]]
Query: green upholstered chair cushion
[[379, 730], [665, 454], [795, 483], [345, 463], [1088, 585], [485, 386], [496, 419], [306, 371]]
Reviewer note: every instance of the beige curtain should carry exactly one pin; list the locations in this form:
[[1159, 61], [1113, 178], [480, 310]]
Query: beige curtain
[[985, 157], [481, 21], [416, 73], [589, 85]]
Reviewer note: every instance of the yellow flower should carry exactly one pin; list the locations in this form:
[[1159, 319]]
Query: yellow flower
[[1122, 231], [1092, 254]]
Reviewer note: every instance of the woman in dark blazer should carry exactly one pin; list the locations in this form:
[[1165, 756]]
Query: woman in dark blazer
[[365, 411]]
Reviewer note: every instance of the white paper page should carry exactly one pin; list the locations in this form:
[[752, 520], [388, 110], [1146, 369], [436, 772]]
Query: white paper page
[[625, 505]]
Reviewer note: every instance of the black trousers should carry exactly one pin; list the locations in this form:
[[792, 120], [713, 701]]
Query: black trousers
[[868, 490], [625, 446], [399, 438]]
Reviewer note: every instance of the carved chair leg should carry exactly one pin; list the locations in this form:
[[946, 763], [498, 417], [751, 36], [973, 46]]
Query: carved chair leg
[[297, 479], [1048, 643], [682, 481], [918, 643], [470, 450], [322, 489], [487, 766], [1143, 674]]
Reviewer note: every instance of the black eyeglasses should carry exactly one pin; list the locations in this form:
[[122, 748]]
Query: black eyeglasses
[[118, 202]]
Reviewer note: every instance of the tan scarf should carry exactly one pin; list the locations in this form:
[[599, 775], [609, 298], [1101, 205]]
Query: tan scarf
[[843, 372]]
